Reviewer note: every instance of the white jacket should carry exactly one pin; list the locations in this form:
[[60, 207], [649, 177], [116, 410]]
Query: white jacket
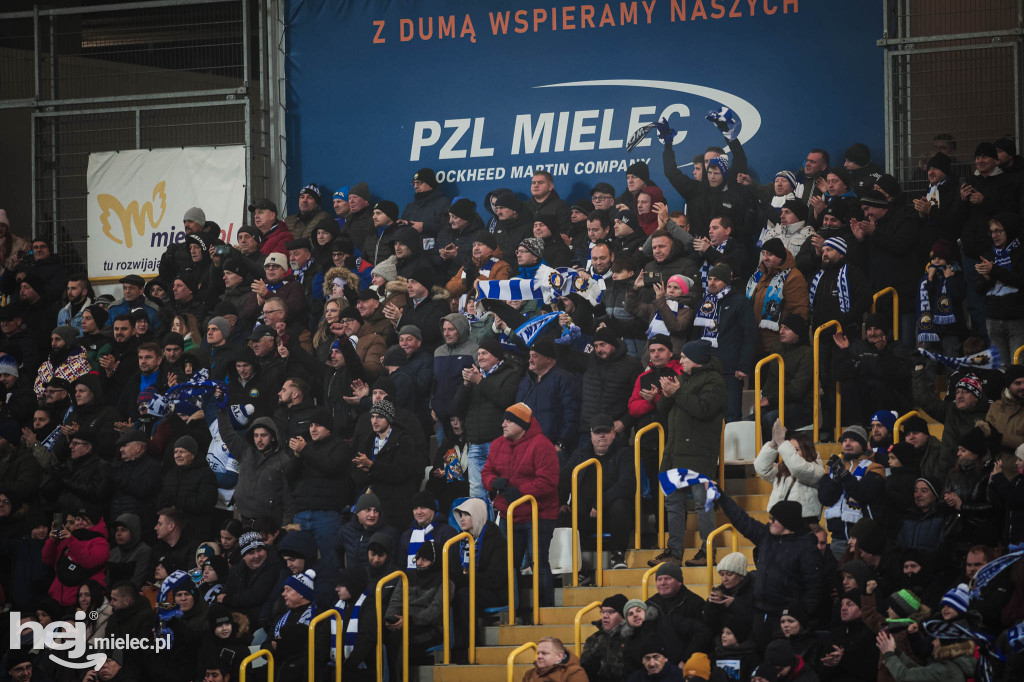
[[792, 236], [802, 483]]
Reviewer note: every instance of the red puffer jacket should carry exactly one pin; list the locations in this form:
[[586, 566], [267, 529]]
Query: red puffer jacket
[[531, 465], [87, 549]]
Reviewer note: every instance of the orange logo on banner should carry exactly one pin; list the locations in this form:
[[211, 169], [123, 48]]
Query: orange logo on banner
[[131, 214]]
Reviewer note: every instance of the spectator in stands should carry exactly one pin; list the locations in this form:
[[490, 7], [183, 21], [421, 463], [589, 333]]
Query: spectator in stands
[[796, 476], [310, 216], [853, 488], [488, 388], [720, 245], [425, 602], [555, 662], [486, 263], [792, 229], [190, 486], [731, 333], [850, 651], [1006, 414], [387, 462], [958, 415], [491, 565], [692, 407], [931, 459], [732, 600], [262, 462], [966, 492], [251, 582], [274, 232], [875, 372], [380, 243], [82, 551], [79, 296], [603, 652], [172, 551], [523, 462], [553, 395], [67, 360], [1000, 280], [656, 664], [777, 290], [427, 525], [515, 223], [1010, 495], [680, 614], [607, 382], [428, 210], [618, 486]]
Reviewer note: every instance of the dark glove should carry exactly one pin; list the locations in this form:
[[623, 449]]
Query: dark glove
[[471, 271], [499, 484], [835, 465], [665, 132], [511, 494]]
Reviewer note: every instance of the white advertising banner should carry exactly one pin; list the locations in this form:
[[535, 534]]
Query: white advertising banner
[[137, 199]]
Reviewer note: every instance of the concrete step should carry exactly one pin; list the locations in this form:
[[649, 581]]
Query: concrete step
[[498, 655], [517, 634], [581, 596], [477, 673], [564, 615]]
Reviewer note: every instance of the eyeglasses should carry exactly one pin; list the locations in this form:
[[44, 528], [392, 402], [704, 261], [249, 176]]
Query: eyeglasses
[[600, 197]]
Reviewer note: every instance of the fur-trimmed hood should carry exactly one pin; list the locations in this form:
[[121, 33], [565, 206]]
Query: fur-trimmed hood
[[397, 286], [350, 278]]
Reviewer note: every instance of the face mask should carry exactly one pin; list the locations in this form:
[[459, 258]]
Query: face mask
[[967, 464]]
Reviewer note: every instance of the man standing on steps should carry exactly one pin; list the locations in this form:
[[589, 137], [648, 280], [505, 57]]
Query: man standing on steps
[[692, 408]]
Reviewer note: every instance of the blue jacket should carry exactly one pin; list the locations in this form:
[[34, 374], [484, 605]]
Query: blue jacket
[[122, 308], [555, 401]]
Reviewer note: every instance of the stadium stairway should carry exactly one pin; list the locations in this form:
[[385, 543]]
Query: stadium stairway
[[495, 643]]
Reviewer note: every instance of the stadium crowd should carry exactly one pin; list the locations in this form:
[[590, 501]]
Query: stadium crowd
[[265, 429]]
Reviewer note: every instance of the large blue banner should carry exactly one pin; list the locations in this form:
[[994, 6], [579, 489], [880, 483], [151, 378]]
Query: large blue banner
[[485, 92]]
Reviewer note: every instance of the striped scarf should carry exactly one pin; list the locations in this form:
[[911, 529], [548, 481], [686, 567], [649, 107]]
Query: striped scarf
[[842, 281], [351, 630], [708, 315], [926, 320], [303, 619], [771, 308], [657, 325], [1003, 260], [416, 540], [707, 265]]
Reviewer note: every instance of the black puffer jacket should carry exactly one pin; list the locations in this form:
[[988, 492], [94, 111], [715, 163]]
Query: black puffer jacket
[[136, 485], [74, 482], [193, 489], [704, 202], [394, 476], [463, 239], [260, 490], [681, 618], [607, 385], [483, 405], [509, 233], [429, 208], [319, 476], [788, 566]]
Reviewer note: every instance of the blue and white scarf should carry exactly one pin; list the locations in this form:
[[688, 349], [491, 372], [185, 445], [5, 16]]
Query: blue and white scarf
[[846, 508], [304, 618], [464, 550], [348, 641], [771, 308], [677, 479], [1003, 260], [708, 315], [546, 285], [989, 571], [842, 281], [986, 359], [416, 540], [657, 325], [926, 320], [707, 265], [960, 630], [51, 441]]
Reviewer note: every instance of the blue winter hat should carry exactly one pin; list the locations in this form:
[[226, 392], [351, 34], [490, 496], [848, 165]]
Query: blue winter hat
[[789, 175], [155, 403], [172, 584], [341, 194], [957, 598], [302, 583], [837, 244], [886, 418], [721, 162]]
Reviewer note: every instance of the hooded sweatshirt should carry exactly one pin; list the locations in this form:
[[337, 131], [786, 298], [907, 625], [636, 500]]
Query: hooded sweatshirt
[[449, 361], [130, 561]]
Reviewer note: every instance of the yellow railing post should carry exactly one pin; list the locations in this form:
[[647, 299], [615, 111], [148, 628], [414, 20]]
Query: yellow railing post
[[578, 626], [721, 457], [1017, 355], [709, 551], [645, 584], [594, 462], [405, 626], [638, 466], [262, 653], [899, 422], [511, 661], [536, 560], [817, 380], [338, 638], [895, 309], [757, 395], [447, 596]]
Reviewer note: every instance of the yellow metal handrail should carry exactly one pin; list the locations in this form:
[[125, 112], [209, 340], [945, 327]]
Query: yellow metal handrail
[[721, 457], [757, 395], [338, 634], [578, 626], [1017, 355], [645, 584], [637, 466], [447, 596], [262, 653], [817, 380], [536, 560], [895, 309], [709, 551], [899, 422], [592, 462], [405, 626], [510, 663]]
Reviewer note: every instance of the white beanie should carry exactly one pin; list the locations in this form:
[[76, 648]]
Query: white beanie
[[733, 562]]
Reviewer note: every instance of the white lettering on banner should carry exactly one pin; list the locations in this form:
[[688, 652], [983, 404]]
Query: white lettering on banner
[[575, 131], [137, 198], [516, 172]]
